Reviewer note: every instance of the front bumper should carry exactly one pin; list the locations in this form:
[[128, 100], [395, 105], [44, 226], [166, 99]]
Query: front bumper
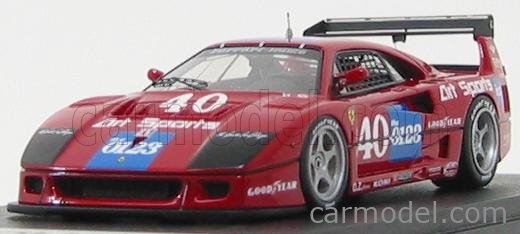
[[105, 191], [185, 214]]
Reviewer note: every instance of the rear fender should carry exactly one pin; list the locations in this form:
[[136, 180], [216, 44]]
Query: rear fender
[[490, 63]]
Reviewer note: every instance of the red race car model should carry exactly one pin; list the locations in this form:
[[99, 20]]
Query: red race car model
[[278, 123]]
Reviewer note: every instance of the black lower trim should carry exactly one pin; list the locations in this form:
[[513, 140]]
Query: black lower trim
[[75, 210]]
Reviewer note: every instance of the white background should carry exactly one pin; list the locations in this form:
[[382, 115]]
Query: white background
[[53, 53]]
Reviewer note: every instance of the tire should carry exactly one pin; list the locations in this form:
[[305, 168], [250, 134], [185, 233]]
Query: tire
[[324, 164], [480, 156]]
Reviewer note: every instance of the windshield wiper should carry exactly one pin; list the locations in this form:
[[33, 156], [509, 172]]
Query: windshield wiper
[[193, 83]]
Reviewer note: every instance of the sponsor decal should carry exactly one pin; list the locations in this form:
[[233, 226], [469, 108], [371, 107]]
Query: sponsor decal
[[451, 169], [299, 95], [243, 135], [128, 151], [434, 171], [497, 84], [359, 186], [406, 176], [112, 123], [56, 131], [446, 122], [476, 87], [382, 182], [148, 126], [448, 92], [401, 135], [276, 50], [272, 189], [156, 123]]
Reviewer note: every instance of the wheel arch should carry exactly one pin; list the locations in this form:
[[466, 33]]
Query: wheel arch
[[493, 101], [349, 159]]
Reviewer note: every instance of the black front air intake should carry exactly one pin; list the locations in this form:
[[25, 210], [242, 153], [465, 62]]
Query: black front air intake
[[216, 189], [119, 188]]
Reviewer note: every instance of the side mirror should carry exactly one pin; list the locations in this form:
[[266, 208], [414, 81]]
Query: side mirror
[[155, 74], [356, 75]]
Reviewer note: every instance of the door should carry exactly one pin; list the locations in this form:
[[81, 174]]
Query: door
[[387, 118]]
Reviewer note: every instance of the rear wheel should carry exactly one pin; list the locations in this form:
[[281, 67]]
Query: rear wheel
[[480, 149], [324, 164]]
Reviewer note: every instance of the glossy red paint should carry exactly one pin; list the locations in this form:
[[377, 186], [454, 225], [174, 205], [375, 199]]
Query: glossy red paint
[[289, 116]]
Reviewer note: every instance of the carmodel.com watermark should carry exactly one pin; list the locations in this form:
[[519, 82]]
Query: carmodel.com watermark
[[408, 214]]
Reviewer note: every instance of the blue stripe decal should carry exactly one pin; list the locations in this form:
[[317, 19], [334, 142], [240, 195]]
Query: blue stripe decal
[[118, 152], [406, 133]]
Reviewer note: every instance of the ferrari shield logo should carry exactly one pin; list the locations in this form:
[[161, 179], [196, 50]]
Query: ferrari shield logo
[[351, 116]]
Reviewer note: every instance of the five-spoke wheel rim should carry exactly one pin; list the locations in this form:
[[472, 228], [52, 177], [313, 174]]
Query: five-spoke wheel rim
[[326, 164], [484, 141]]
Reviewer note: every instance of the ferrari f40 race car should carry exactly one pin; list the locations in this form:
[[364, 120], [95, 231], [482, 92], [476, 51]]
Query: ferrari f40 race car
[[276, 123]]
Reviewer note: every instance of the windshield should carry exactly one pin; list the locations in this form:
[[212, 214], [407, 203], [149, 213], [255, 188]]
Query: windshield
[[251, 69]]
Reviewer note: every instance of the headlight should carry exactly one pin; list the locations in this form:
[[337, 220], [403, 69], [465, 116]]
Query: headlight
[[45, 145]]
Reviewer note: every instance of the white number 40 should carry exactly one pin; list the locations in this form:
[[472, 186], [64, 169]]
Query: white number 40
[[176, 104], [369, 135]]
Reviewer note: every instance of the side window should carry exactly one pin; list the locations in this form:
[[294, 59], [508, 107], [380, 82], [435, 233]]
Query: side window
[[382, 74]]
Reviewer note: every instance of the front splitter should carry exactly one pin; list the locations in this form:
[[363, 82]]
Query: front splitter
[[16, 207]]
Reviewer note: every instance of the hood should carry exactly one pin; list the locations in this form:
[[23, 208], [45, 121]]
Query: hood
[[174, 131]]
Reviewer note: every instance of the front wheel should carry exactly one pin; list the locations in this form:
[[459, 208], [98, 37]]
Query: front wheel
[[480, 147], [324, 164]]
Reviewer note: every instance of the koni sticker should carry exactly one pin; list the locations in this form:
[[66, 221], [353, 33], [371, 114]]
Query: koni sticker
[[382, 183]]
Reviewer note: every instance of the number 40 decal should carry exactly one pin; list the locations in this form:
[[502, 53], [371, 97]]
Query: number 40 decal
[[369, 134], [176, 104]]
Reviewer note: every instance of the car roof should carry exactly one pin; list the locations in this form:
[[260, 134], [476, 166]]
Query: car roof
[[332, 44], [322, 42]]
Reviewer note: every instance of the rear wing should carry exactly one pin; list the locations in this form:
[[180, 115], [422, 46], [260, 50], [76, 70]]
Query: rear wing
[[400, 27], [480, 26]]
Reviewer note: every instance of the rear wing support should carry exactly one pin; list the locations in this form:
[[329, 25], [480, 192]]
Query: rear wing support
[[400, 27]]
